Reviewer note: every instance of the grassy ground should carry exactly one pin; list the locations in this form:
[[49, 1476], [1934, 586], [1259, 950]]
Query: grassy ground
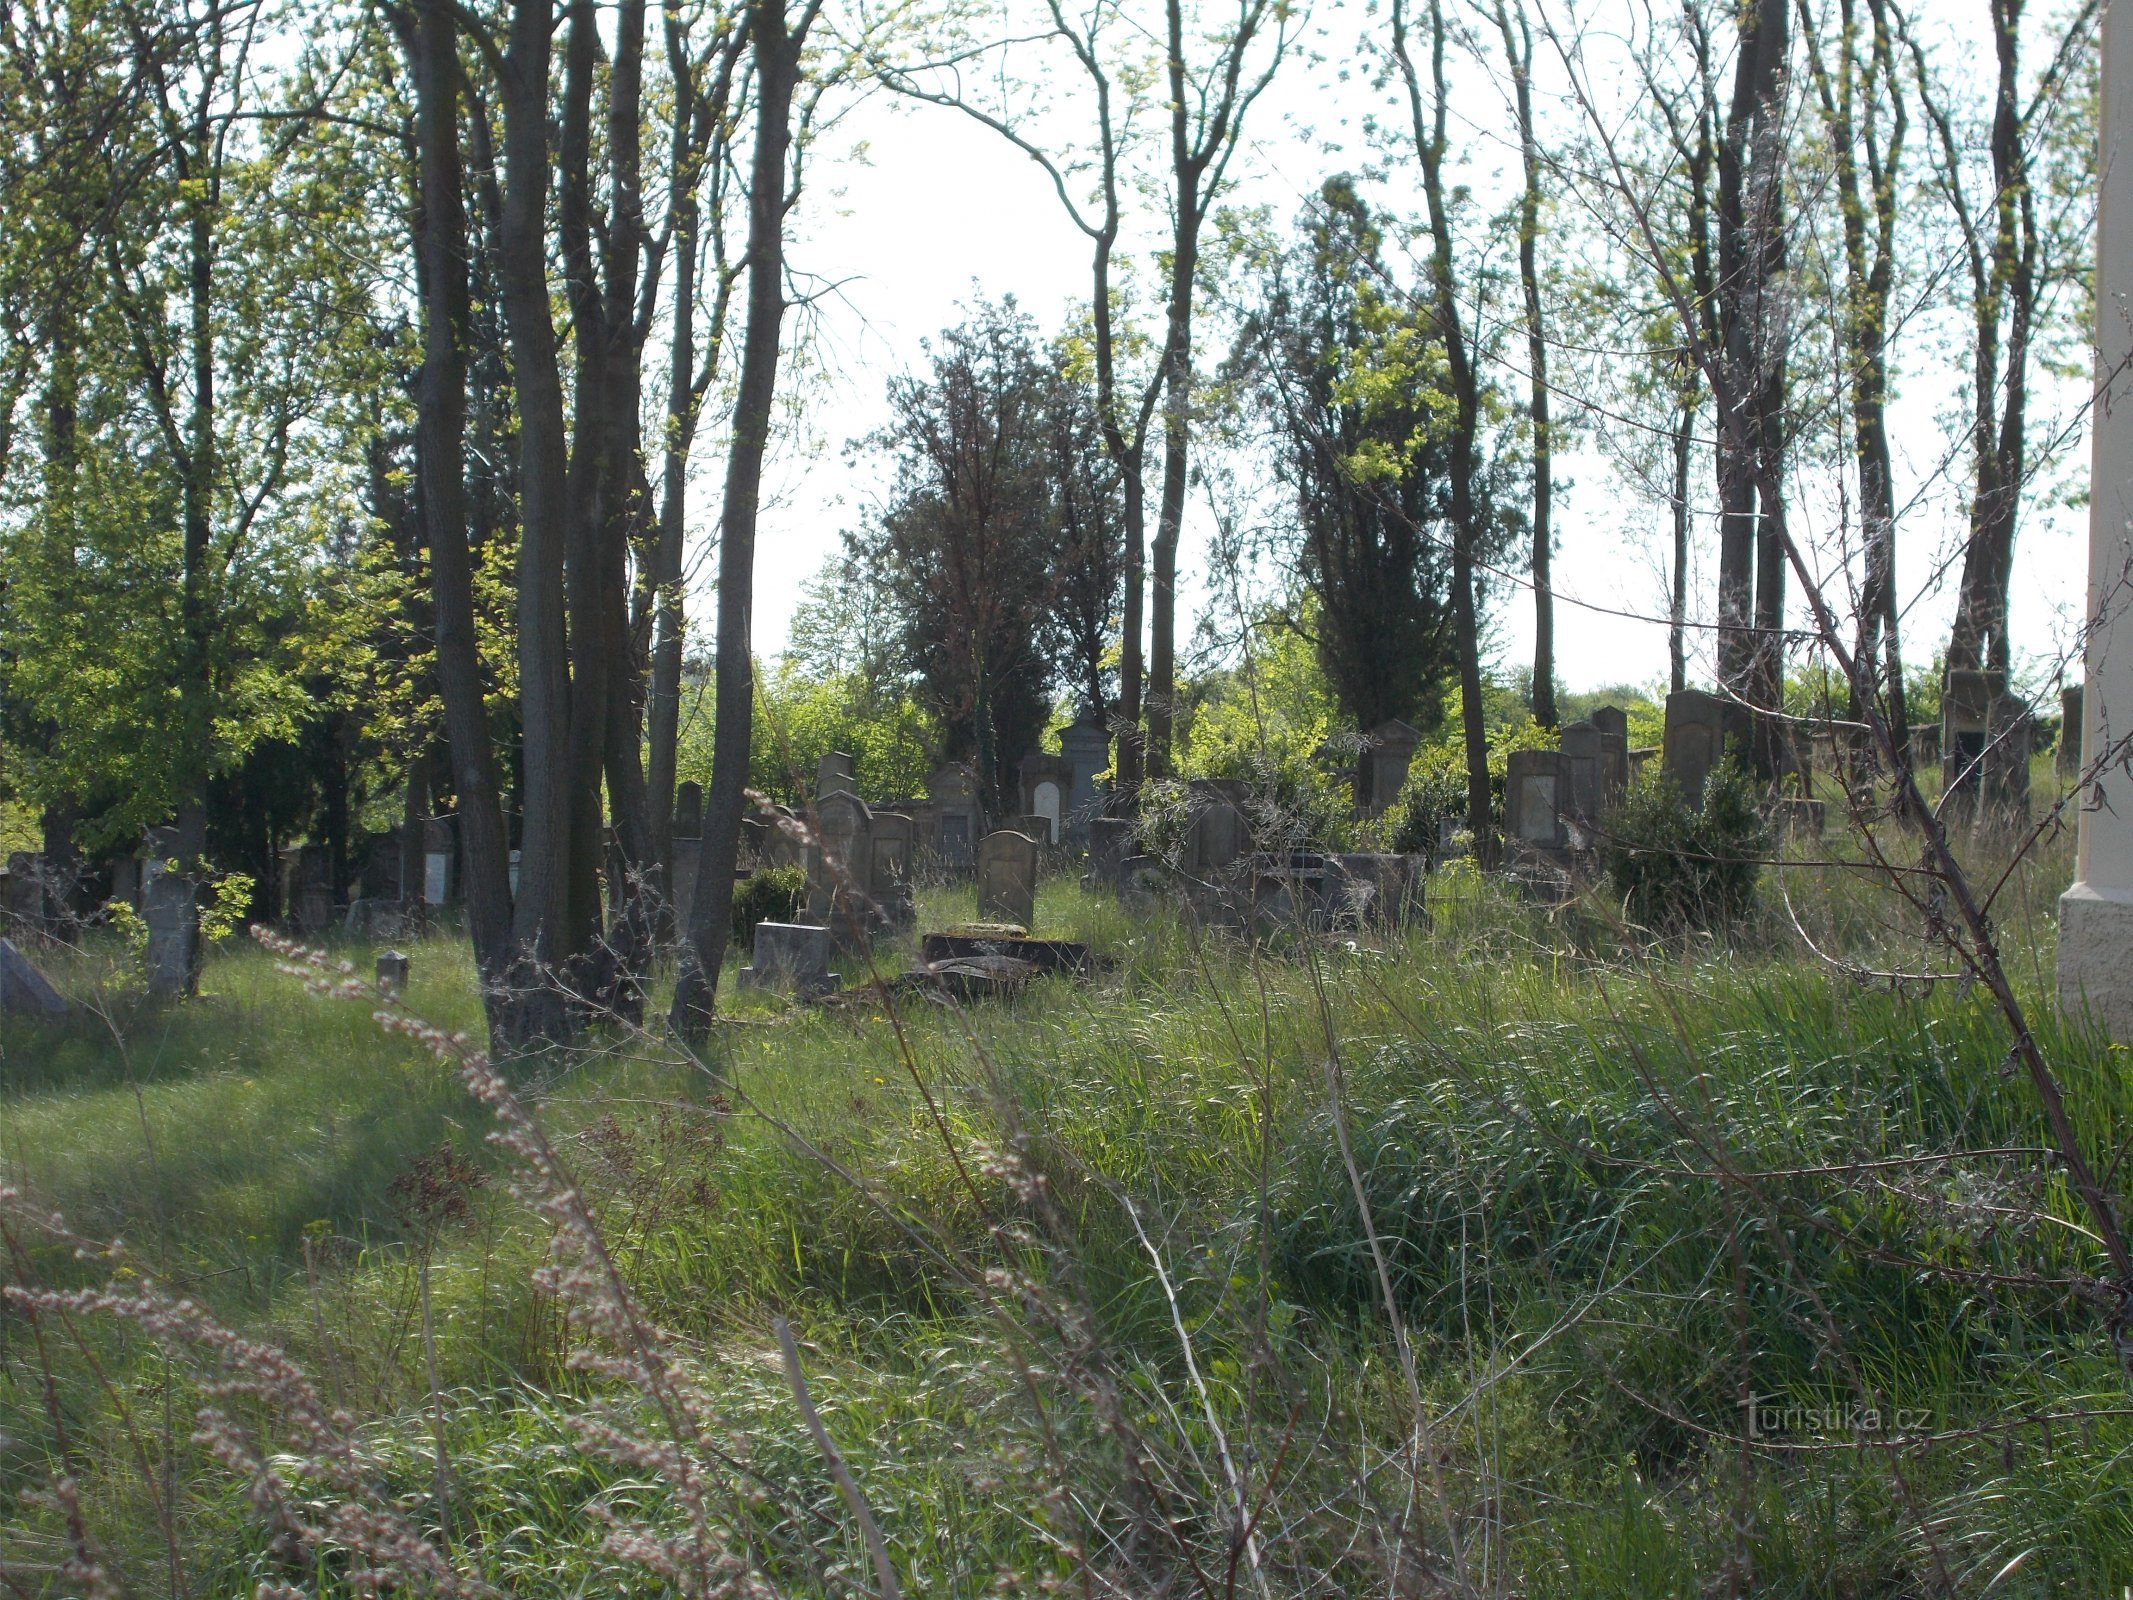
[[1616, 1188]]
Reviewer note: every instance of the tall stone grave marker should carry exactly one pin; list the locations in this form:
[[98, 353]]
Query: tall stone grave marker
[[1110, 842], [1085, 746], [1695, 747], [845, 829], [689, 811], [1613, 723], [1538, 787], [1381, 770], [835, 773], [1583, 753], [167, 907], [954, 793], [1007, 878]]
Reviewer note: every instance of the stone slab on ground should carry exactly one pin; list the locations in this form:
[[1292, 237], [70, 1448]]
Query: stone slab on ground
[[1042, 955], [24, 991]]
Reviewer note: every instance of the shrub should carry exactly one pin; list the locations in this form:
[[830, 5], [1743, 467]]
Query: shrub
[[770, 894], [1674, 866]]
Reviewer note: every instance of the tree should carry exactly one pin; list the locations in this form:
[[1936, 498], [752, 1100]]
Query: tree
[[777, 40], [1354, 378], [1518, 58], [1467, 514], [968, 546]]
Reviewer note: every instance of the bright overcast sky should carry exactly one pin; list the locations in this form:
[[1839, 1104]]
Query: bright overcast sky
[[942, 211]]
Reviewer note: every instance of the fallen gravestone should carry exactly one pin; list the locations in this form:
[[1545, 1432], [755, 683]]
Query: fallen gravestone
[[24, 991]]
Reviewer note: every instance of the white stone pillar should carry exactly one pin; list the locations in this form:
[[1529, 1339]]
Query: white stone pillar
[[2096, 915]]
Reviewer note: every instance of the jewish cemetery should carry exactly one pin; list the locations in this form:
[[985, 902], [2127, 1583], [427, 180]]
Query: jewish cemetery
[[1241, 802]]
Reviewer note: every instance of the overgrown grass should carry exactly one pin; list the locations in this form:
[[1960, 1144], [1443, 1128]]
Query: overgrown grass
[[1619, 1187]]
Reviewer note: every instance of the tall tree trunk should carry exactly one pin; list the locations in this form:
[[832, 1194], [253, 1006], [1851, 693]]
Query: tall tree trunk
[[776, 48], [1751, 337], [1678, 600], [1430, 146], [540, 930], [1518, 51], [1851, 116], [441, 246]]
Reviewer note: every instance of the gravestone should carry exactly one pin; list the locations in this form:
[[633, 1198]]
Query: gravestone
[[126, 881], [1110, 843], [1583, 753], [439, 882], [167, 907], [1216, 834], [1613, 723], [681, 881], [1695, 746], [392, 972], [1537, 793], [889, 867], [1381, 770], [1047, 781], [953, 793], [1372, 889], [1007, 878], [835, 773], [689, 811], [2066, 762], [837, 863], [24, 991], [1085, 746], [310, 888], [789, 956], [1986, 736], [1925, 746]]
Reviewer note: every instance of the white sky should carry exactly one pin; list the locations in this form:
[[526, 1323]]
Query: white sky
[[938, 211]]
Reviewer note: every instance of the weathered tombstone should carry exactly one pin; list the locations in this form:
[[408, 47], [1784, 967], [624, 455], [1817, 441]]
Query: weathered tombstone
[[953, 792], [1085, 746], [1375, 889], [1986, 735], [2066, 761], [790, 956], [439, 884], [167, 907], [1537, 789], [1046, 783], [889, 867], [1381, 770], [1613, 723], [1007, 878], [126, 881], [1925, 746], [689, 811], [1110, 842], [24, 991], [2010, 738], [1695, 747], [681, 885], [1582, 752], [311, 889], [838, 862], [835, 773], [1215, 832], [392, 972]]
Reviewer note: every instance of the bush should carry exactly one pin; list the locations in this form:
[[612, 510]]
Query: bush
[[770, 894], [1675, 867]]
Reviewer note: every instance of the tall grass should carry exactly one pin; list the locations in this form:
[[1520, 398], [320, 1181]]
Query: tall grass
[[1090, 1283]]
